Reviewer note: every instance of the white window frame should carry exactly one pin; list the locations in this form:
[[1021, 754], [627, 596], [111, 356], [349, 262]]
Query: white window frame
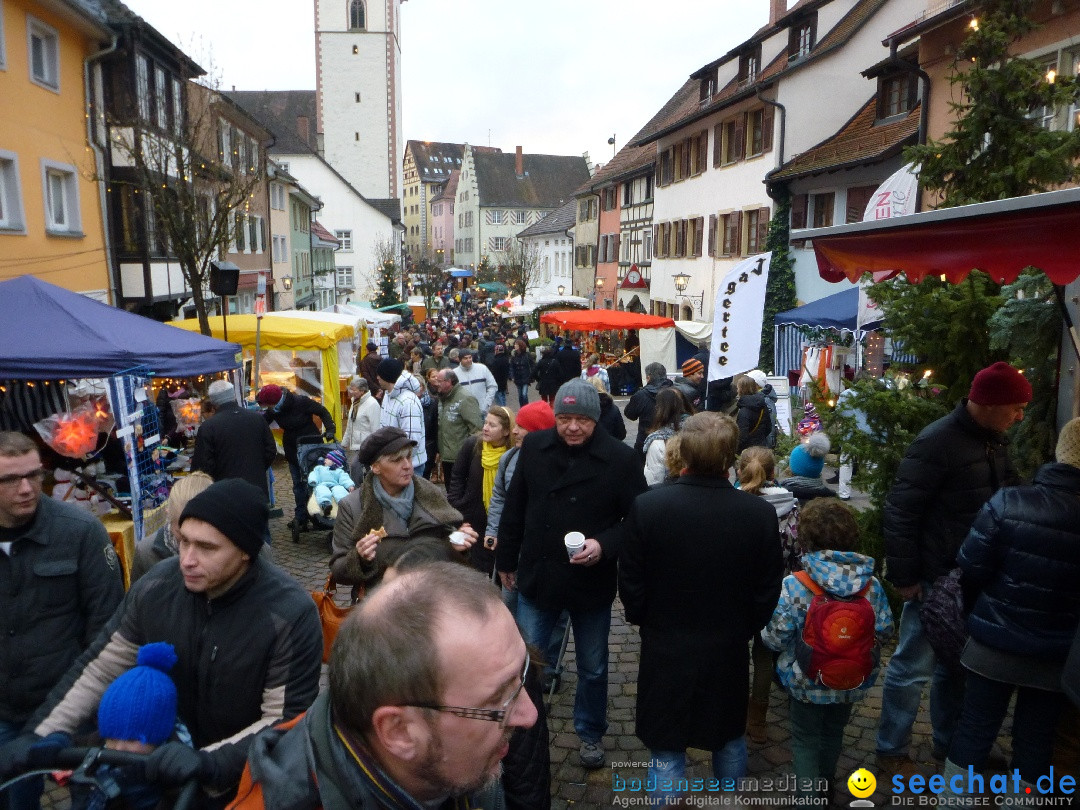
[[345, 238], [12, 219], [345, 277], [49, 37], [68, 177]]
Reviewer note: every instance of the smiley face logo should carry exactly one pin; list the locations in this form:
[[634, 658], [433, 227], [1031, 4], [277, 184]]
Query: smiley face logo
[[861, 783]]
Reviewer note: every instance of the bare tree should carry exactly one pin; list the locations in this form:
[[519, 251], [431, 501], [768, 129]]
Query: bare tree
[[198, 171], [426, 278], [519, 267]]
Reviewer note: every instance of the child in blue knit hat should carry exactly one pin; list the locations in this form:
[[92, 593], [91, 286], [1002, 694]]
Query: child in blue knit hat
[[137, 713], [330, 480]]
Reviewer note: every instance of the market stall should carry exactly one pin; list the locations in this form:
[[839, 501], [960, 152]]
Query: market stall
[[347, 349], [74, 370], [656, 334], [296, 353]]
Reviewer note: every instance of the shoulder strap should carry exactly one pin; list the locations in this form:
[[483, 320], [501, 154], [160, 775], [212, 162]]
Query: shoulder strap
[[808, 583]]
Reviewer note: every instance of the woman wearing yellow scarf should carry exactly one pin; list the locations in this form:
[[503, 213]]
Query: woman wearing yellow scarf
[[469, 489]]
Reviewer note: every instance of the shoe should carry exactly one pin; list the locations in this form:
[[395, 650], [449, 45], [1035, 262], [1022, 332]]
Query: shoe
[[591, 755], [755, 721], [896, 764], [327, 509], [835, 479], [302, 526], [844, 496]]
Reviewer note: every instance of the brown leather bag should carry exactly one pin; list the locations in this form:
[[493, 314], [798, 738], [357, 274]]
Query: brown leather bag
[[330, 615]]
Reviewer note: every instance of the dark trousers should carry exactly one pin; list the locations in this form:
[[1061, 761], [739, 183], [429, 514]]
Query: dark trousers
[[447, 471], [299, 491], [1034, 721]]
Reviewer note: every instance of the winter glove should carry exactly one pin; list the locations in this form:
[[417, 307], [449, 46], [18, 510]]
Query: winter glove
[[174, 764], [43, 753], [15, 757], [328, 436]]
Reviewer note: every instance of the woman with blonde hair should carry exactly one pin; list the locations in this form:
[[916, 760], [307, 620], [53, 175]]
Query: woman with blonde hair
[[756, 469], [594, 369], [471, 484]]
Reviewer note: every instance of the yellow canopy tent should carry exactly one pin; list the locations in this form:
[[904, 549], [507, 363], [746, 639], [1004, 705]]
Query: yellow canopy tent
[[296, 353]]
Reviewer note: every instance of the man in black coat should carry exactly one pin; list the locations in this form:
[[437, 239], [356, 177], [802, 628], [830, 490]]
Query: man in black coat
[[699, 594], [951, 469], [294, 414], [234, 442], [574, 478], [642, 404], [569, 361]]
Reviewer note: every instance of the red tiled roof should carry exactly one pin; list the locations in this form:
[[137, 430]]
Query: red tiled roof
[[860, 140], [629, 159], [322, 233]]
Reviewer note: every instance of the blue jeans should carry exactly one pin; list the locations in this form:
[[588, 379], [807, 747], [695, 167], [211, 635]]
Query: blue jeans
[[523, 394], [666, 768], [817, 737], [499, 399], [299, 491], [909, 669], [591, 628], [1034, 719], [26, 793]]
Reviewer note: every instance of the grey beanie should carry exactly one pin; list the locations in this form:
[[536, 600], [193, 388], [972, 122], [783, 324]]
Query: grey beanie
[[578, 397], [221, 392]]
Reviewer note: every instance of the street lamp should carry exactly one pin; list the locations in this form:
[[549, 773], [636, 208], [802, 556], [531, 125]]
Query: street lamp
[[681, 282], [286, 282], [600, 284], [561, 289]]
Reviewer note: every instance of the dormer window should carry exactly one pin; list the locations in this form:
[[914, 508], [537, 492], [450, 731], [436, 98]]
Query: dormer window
[[801, 38], [897, 94], [707, 86], [750, 66]]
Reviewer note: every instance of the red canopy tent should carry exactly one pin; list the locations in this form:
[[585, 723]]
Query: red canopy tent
[[593, 320], [1000, 238]]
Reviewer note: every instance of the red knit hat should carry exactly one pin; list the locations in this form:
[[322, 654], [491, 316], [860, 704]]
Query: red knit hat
[[269, 395], [999, 384], [536, 416]]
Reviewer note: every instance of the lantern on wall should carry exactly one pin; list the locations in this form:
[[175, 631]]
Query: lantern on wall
[[73, 434]]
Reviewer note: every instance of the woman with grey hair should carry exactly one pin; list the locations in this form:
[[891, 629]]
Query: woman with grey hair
[[362, 419]]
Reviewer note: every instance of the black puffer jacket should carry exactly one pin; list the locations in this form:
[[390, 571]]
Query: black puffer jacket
[[293, 416], [611, 417], [1022, 558], [640, 409], [948, 473], [753, 420]]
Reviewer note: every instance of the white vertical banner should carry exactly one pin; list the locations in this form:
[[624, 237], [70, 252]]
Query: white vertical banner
[[737, 317], [896, 197]]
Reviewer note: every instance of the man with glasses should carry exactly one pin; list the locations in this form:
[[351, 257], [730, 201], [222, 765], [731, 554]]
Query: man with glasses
[[426, 689], [59, 584]]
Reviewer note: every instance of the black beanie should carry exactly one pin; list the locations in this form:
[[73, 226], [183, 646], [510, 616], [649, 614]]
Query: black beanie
[[389, 370], [234, 507]]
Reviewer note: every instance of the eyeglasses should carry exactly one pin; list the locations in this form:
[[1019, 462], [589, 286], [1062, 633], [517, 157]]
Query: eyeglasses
[[500, 715], [34, 477]]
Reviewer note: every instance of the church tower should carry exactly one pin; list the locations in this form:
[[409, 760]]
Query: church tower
[[358, 92]]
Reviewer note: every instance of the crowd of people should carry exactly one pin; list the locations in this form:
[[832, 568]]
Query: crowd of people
[[474, 527]]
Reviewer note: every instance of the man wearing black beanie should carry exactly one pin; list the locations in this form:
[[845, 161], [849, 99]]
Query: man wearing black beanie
[[247, 638]]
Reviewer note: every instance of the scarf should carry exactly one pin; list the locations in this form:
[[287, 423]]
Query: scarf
[[489, 460], [401, 505]]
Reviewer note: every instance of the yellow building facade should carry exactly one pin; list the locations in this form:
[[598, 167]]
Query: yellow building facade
[[50, 202]]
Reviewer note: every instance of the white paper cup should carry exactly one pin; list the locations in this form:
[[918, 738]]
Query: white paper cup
[[457, 538], [574, 542]]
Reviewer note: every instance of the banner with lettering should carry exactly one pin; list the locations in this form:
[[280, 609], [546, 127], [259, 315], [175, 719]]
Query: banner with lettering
[[737, 316], [896, 197]]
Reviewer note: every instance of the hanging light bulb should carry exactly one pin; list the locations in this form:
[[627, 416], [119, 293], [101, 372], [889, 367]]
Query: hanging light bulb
[[974, 24], [1051, 74]]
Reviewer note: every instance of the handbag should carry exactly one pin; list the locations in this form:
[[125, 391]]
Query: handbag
[[942, 615], [330, 615]]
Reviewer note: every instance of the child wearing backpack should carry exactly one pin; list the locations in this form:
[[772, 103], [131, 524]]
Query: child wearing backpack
[[828, 627]]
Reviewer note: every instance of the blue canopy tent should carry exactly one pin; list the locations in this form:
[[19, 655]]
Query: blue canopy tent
[[460, 272], [838, 311], [49, 333]]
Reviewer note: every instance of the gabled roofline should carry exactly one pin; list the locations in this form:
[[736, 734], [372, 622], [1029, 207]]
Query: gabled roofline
[[930, 19]]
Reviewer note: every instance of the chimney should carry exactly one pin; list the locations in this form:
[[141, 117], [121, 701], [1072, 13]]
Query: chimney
[[303, 128], [777, 9], [519, 164]]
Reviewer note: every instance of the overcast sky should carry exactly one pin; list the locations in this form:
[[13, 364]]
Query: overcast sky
[[557, 77]]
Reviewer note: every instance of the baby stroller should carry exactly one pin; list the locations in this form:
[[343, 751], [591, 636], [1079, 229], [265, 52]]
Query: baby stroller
[[310, 454]]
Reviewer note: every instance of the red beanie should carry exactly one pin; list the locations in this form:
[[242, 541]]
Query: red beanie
[[999, 384], [269, 395], [536, 416]]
